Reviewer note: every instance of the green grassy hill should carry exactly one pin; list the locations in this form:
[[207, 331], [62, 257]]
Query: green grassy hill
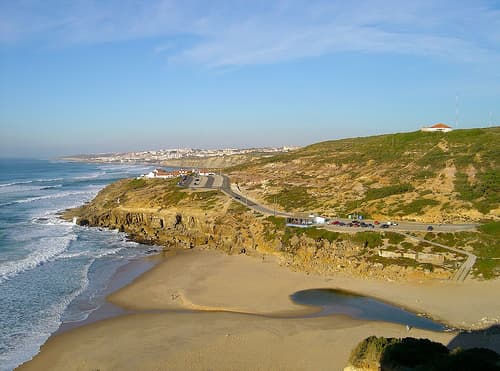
[[421, 176]]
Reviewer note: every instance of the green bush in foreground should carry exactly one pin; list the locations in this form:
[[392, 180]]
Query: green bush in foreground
[[376, 193], [418, 355], [367, 354]]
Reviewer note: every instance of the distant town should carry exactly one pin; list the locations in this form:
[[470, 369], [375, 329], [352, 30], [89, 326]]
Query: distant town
[[173, 154]]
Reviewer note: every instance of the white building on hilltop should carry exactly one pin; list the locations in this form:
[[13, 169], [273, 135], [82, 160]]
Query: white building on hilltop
[[438, 127]]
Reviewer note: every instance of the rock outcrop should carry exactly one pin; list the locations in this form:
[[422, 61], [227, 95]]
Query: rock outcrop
[[160, 213]]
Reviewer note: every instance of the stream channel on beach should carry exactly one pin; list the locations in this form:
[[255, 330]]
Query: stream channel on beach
[[361, 307]]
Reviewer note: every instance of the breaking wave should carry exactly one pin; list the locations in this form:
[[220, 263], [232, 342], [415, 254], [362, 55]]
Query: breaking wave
[[50, 248]]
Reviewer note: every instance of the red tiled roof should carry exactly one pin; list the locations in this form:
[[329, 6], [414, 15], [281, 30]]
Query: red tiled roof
[[441, 126]]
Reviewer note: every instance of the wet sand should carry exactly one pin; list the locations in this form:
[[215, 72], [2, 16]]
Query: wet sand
[[122, 277], [241, 318]]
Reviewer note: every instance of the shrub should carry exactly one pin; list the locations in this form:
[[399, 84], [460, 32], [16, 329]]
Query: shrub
[[136, 183], [416, 206], [419, 355], [368, 352], [375, 193], [394, 238], [492, 229], [374, 239]]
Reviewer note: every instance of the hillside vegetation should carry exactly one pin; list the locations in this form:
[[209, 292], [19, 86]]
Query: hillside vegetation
[[410, 354], [431, 177], [159, 212]]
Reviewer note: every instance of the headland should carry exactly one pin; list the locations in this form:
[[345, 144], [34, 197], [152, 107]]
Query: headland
[[222, 298]]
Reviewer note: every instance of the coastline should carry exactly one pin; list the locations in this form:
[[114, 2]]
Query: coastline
[[124, 276], [205, 303], [202, 284]]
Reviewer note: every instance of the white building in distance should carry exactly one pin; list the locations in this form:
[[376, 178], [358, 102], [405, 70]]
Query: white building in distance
[[438, 127]]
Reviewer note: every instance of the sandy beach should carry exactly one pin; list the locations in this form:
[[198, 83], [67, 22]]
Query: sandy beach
[[203, 310]]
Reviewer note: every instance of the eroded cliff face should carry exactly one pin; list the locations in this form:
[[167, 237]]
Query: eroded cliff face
[[158, 212]]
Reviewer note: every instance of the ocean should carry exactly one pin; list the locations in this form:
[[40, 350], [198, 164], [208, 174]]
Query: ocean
[[52, 271]]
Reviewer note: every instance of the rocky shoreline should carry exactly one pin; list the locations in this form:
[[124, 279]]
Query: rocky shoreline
[[159, 213]]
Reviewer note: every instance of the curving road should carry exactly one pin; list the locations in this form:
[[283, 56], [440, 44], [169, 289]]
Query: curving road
[[223, 183], [237, 195]]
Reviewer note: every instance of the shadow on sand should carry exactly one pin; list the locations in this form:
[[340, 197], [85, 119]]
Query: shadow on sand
[[469, 350], [488, 338]]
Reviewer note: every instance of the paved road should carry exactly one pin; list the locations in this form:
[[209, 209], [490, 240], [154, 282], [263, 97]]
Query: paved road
[[232, 191], [405, 227], [238, 196], [210, 182], [203, 182], [223, 183]]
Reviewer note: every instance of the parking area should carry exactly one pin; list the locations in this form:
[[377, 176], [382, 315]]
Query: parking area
[[356, 225], [195, 181]]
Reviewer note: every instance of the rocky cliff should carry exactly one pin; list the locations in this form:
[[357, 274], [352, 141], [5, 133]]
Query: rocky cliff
[[159, 212]]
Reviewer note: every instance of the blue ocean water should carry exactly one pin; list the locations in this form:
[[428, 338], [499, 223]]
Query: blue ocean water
[[45, 262]]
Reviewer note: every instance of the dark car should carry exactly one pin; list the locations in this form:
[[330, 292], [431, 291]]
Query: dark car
[[384, 226], [430, 228]]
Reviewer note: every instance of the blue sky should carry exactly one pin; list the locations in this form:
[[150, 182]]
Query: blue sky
[[101, 76]]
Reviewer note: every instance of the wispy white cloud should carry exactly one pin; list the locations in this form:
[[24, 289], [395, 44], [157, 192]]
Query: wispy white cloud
[[259, 32]]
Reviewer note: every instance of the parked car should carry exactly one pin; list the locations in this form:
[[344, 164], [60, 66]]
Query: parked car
[[376, 222], [336, 222], [384, 226], [430, 228]]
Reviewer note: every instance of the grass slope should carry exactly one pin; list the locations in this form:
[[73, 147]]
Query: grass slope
[[402, 175]]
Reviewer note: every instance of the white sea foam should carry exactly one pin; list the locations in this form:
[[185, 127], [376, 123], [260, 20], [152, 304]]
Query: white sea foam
[[90, 176], [51, 186], [46, 246], [40, 331], [46, 197], [91, 254], [29, 181], [24, 188], [48, 180], [50, 247], [15, 183]]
